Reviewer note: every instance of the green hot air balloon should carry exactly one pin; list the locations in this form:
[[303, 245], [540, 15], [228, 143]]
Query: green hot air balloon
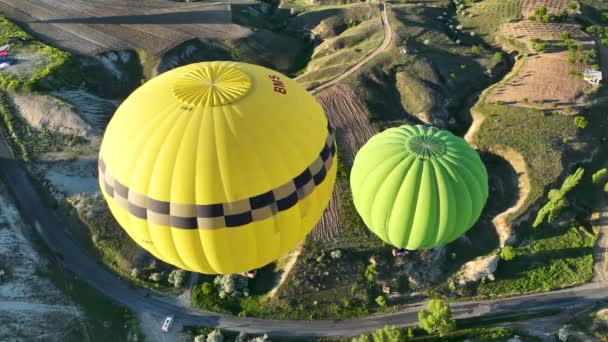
[[418, 187]]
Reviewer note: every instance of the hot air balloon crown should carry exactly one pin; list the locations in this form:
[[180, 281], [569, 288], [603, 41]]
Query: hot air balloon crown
[[218, 167], [418, 187]]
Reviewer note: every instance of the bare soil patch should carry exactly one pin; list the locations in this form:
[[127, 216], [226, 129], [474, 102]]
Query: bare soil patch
[[349, 117], [45, 112]]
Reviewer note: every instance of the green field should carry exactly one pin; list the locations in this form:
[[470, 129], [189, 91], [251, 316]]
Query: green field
[[553, 258], [60, 68], [487, 17]]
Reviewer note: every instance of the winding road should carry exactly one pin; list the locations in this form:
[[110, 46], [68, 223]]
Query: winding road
[[145, 302], [388, 35]]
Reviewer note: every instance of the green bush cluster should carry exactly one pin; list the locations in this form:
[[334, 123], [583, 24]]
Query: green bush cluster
[[538, 45], [581, 121], [507, 253], [542, 15], [600, 177], [557, 198]]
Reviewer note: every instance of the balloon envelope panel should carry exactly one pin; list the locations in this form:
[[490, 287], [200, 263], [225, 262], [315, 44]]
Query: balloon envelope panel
[[218, 167], [418, 187]]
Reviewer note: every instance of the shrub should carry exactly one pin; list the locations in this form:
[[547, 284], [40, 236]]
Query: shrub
[[497, 57], [388, 334], [476, 49], [601, 176], [362, 338], [565, 36], [453, 75], [427, 42], [574, 72], [199, 338], [176, 277], [572, 5], [525, 100], [135, 272], [606, 188], [539, 12], [215, 336], [381, 301], [231, 285], [337, 254], [155, 277], [545, 18], [463, 67], [507, 253], [580, 121], [538, 45], [370, 273]]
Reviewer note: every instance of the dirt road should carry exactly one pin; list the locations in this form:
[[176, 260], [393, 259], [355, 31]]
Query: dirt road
[[388, 35], [87, 27]]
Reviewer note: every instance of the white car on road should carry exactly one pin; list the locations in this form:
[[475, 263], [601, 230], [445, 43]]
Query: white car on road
[[167, 323]]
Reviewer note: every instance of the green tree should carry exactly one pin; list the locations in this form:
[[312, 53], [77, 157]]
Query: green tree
[[176, 277], [557, 199], [580, 121], [476, 50], [572, 5], [600, 177], [362, 338], [381, 301], [436, 318], [370, 273], [565, 36], [388, 334], [507, 253]]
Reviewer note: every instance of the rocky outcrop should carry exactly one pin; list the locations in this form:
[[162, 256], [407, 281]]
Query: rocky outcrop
[[478, 269]]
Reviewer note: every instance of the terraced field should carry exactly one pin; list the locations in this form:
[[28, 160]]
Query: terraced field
[[88, 27]]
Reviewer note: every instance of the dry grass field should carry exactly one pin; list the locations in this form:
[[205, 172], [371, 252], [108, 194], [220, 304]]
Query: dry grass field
[[89, 27], [543, 81], [553, 6]]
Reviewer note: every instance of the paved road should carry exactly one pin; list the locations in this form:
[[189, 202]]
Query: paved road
[[88, 27], [388, 35], [142, 301]]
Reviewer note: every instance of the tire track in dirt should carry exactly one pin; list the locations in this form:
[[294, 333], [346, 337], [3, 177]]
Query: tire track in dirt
[[349, 117]]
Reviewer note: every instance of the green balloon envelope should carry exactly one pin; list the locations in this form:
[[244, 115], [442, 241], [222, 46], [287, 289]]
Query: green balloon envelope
[[418, 187]]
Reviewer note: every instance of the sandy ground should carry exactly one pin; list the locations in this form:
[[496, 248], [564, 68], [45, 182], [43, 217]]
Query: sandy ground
[[72, 177], [31, 308], [46, 112], [544, 76]]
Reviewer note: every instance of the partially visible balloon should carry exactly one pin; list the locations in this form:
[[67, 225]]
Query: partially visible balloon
[[418, 187], [218, 167]]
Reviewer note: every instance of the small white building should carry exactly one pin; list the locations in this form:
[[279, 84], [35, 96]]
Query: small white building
[[593, 77]]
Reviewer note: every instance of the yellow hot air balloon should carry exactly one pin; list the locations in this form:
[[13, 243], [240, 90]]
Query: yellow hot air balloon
[[218, 167]]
